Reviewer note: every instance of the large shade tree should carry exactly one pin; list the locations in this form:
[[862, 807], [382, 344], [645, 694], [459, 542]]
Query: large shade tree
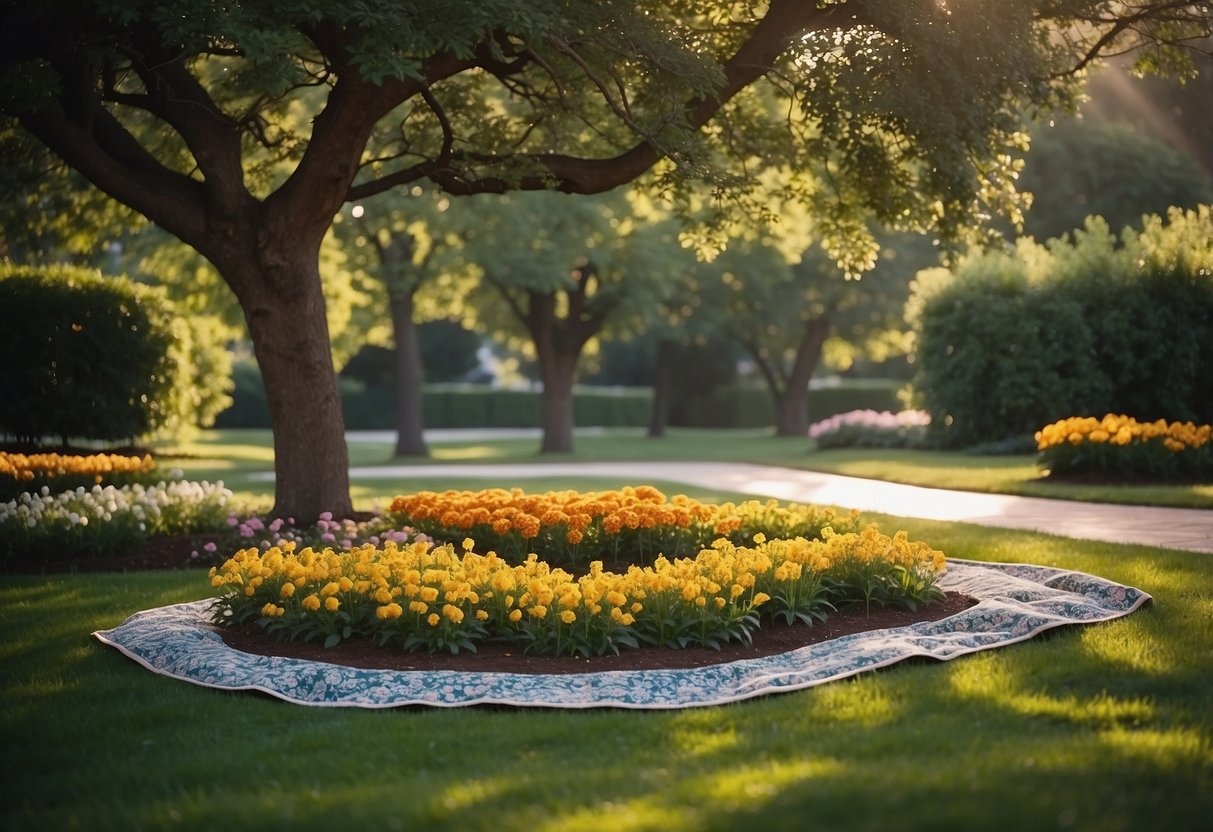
[[183, 111]]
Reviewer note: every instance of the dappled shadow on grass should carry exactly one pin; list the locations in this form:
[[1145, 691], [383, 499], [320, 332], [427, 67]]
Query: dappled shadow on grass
[[1102, 727]]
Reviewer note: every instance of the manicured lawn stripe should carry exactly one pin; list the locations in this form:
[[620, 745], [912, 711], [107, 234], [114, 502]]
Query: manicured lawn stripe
[[1101, 727]]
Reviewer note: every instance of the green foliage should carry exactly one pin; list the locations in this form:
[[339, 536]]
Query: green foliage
[[1076, 169], [86, 356], [1009, 342], [740, 406], [249, 408], [104, 358]]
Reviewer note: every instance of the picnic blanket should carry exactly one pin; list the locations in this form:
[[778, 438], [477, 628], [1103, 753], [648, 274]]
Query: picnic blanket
[[1016, 602]]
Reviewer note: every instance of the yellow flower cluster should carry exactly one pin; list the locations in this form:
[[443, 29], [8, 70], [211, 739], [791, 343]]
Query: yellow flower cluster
[[425, 595], [28, 466], [1123, 430], [573, 522]]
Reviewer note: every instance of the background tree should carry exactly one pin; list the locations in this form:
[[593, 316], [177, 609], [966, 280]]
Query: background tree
[[405, 242], [562, 270], [242, 130], [784, 312], [1077, 169]]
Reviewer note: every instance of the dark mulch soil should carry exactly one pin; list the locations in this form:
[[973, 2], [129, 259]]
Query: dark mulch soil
[[174, 552], [497, 658]]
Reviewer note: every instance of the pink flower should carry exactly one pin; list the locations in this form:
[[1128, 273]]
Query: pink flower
[[211, 547]]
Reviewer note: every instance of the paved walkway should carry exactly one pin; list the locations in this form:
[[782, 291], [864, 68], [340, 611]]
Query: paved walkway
[[1172, 528]]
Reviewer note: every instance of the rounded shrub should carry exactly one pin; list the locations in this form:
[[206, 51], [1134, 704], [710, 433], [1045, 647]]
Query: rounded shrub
[[85, 356], [998, 355], [1011, 340]]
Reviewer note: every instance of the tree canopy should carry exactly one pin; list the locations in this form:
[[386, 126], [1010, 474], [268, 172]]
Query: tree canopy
[[243, 127]]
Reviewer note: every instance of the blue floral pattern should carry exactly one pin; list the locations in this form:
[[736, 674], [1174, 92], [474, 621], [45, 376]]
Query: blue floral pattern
[[1016, 602]]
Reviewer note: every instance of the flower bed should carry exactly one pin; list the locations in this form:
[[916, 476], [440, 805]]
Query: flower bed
[[423, 596], [572, 527], [1118, 444], [870, 429], [63, 472], [101, 521]]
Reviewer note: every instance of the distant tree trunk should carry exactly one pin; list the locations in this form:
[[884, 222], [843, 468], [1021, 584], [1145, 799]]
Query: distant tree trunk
[[792, 406], [558, 370], [663, 387], [558, 342], [410, 422]]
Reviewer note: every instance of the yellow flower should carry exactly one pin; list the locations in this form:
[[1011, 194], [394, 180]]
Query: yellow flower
[[433, 619], [568, 616], [312, 602], [331, 604], [452, 612], [761, 598], [515, 616], [288, 589]]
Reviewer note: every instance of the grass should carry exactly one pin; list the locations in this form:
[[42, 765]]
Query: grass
[[234, 456], [1103, 727]]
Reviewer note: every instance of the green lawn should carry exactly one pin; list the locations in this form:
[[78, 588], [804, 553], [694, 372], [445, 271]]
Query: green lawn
[[1104, 727], [232, 455]]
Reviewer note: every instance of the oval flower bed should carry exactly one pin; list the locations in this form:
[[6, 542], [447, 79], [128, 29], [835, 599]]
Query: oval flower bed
[[428, 596]]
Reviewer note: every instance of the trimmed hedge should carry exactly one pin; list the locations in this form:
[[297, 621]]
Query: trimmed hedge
[[478, 406], [443, 406], [85, 356], [751, 407], [1010, 341]]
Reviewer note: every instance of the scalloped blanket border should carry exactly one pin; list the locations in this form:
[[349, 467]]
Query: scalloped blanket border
[[1016, 602]]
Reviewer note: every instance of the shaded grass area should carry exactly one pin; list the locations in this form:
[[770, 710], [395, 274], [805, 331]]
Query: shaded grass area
[[1103, 727], [234, 455]]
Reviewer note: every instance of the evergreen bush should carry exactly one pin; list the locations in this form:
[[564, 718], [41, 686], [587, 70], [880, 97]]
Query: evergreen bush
[[85, 356], [1014, 339]]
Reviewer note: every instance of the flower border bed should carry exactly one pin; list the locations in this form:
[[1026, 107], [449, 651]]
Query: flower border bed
[[1016, 602]]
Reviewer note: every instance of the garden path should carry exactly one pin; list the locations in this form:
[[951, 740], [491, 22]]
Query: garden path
[[1172, 528]]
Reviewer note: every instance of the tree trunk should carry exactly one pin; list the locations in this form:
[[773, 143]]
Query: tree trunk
[[663, 383], [286, 318], [792, 415], [410, 423], [558, 369]]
